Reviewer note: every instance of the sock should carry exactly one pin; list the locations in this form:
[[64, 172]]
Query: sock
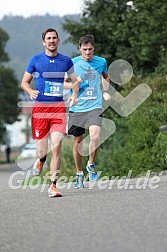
[[90, 164], [43, 159], [80, 173], [53, 182]]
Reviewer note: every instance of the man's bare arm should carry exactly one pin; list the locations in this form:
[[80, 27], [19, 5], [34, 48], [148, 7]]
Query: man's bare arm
[[25, 85], [105, 85], [75, 89]]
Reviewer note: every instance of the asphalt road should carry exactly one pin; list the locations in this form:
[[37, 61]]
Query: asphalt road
[[90, 219]]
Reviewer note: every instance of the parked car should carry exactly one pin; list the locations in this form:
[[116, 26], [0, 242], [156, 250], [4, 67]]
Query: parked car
[[28, 150]]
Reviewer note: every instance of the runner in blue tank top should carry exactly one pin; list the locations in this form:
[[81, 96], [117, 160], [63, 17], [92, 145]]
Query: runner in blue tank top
[[90, 70]]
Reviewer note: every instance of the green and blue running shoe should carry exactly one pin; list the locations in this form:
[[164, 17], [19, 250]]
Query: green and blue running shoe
[[79, 181], [93, 176]]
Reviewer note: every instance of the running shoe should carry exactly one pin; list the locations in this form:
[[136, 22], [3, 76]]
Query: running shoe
[[79, 181], [93, 176], [52, 191], [37, 167]]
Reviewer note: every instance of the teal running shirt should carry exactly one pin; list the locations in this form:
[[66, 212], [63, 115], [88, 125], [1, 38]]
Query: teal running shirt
[[89, 95]]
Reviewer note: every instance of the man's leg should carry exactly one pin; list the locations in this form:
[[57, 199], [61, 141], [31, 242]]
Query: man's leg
[[94, 133], [56, 140], [42, 147], [78, 161], [40, 133], [41, 151], [75, 123], [76, 153]]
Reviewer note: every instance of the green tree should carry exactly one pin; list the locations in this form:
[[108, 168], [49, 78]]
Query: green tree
[[130, 30], [146, 27], [8, 89], [102, 19]]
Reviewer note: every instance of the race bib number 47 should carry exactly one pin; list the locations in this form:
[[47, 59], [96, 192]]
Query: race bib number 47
[[53, 88]]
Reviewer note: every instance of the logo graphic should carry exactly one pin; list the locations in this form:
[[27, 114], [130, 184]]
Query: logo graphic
[[37, 133], [121, 72], [89, 75]]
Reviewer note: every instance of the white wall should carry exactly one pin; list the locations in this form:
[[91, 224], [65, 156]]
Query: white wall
[[17, 137]]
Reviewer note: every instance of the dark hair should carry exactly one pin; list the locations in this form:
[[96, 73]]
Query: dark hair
[[85, 39], [49, 30]]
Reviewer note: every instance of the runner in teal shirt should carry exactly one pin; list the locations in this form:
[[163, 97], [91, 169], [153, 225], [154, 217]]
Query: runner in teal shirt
[[91, 72]]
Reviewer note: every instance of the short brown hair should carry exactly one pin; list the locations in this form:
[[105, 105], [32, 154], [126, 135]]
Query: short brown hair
[[85, 39], [48, 30]]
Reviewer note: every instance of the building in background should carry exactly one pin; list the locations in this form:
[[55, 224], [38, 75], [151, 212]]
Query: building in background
[[19, 132]]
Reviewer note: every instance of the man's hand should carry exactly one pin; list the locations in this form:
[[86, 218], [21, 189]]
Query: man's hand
[[33, 94], [79, 79], [73, 100], [106, 96]]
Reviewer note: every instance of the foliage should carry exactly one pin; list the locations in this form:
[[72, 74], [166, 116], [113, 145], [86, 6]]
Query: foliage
[[8, 90], [126, 31], [3, 39]]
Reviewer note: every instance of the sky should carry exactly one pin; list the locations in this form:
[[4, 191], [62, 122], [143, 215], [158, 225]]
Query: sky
[[28, 8]]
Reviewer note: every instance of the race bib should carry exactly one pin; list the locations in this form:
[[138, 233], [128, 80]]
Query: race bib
[[89, 93], [53, 88]]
